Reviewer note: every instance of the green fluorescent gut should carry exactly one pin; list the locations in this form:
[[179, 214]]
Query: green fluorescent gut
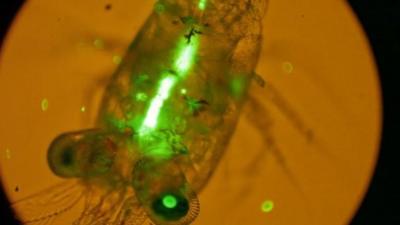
[[185, 58]]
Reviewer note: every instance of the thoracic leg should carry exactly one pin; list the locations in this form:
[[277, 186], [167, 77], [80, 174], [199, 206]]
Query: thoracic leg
[[259, 117]]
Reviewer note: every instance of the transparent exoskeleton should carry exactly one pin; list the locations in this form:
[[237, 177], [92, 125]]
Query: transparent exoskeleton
[[166, 118]]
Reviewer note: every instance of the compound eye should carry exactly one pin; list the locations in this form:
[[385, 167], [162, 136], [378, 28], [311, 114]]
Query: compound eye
[[62, 158], [171, 206]]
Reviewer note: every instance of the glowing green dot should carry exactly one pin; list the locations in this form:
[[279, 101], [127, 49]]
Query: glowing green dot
[[159, 7], [267, 206], [202, 4], [169, 201], [98, 43], [183, 91], [117, 59], [83, 109], [237, 86], [44, 104], [141, 97], [287, 67]]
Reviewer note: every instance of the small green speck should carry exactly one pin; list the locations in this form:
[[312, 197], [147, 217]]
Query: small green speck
[[83, 109], [44, 104], [159, 7], [117, 59], [141, 97], [169, 201], [98, 43], [237, 86], [183, 91], [267, 206], [202, 4]]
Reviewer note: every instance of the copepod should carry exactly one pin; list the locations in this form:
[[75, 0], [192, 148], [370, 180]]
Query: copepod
[[165, 120]]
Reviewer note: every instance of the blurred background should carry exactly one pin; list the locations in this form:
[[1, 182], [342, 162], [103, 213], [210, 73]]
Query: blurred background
[[315, 54]]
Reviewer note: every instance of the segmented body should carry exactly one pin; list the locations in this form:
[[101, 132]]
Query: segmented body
[[167, 114]]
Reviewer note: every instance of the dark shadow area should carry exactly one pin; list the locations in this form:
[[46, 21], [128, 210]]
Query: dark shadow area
[[381, 22]]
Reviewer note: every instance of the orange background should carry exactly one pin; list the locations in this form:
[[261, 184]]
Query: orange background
[[332, 87]]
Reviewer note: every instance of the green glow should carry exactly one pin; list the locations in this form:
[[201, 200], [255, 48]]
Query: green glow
[[169, 201], [159, 7], [83, 109], [267, 206], [44, 104], [186, 56], [163, 93], [237, 86], [141, 97], [183, 91], [185, 59], [202, 4]]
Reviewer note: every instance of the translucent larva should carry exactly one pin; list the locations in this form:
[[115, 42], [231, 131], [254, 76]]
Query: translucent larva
[[165, 119]]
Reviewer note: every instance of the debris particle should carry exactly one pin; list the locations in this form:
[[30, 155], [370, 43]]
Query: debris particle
[[44, 104]]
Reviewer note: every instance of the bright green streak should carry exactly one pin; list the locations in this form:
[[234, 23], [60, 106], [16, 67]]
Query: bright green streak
[[182, 64], [186, 57], [150, 122], [169, 201], [267, 206], [202, 4]]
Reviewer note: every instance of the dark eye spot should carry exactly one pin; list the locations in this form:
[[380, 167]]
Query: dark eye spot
[[67, 157], [171, 206]]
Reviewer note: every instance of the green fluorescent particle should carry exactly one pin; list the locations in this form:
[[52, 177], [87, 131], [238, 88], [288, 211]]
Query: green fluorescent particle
[[169, 201], [237, 86], [44, 104], [202, 4], [183, 91], [267, 206], [141, 97], [150, 121], [83, 109]]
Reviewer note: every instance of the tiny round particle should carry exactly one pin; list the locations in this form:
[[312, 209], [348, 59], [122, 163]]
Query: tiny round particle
[[287, 67], [83, 109], [267, 206], [183, 91], [117, 59], [98, 43], [44, 104], [169, 201]]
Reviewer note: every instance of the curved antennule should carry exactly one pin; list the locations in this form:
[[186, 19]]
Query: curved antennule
[[164, 193], [81, 154]]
